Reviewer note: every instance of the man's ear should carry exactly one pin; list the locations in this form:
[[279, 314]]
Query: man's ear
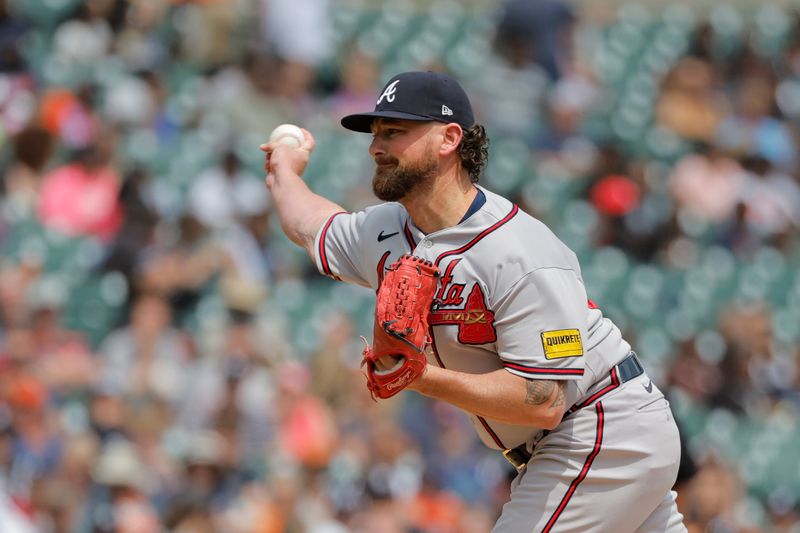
[[451, 138]]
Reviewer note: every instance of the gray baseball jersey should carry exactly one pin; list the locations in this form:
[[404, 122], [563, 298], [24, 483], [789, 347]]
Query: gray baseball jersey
[[510, 296]]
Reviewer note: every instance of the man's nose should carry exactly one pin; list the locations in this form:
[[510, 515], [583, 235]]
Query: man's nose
[[376, 148]]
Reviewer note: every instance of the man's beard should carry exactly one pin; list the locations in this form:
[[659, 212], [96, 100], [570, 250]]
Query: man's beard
[[392, 183]]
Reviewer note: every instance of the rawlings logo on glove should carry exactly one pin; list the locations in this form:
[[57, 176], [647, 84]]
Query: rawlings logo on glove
[[401, 326]]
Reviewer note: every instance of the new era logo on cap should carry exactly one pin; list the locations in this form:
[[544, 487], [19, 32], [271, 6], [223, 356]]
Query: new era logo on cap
[[417, 96]]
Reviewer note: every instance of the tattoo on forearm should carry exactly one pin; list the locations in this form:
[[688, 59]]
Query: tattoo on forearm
[[538, 391], [559, 399]]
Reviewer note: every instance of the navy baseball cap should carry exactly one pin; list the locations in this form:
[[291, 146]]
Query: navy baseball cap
[[417, 96]]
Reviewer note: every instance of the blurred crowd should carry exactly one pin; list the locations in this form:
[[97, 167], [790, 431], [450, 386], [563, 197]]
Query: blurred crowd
[[130, 129]]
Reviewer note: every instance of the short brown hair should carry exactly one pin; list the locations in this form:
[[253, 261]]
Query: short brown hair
[[474, 151]]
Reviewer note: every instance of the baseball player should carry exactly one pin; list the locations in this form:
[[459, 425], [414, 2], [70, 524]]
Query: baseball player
[[481, 306]]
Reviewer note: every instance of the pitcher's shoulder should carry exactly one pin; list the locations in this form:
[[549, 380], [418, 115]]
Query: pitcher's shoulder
[[532, 243]]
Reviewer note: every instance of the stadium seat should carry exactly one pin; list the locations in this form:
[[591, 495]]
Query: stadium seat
[[44, 13], [94, 305], [509, 164]]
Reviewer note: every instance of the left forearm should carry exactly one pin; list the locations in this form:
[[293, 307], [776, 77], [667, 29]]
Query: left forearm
[[497, 395]]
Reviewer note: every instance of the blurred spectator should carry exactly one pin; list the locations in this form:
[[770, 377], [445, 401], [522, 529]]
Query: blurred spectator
[[131, 101], [791, 55], [85, 36], [307, 430], [742, 369], [206, 32], [563, 140], [543, 28], [749, 61], [81, 197], [707, 184], [712, 497], [71, 116], [36, 446], [753, 129], [162, 120], [254, 509], [696, 374], [33, 148], [57, 498], [15, 281], [635, 217], [147, 357], [107, 412], [771, 199], [113, 11], [251, 97], [385, 515], [61, 357], [208, 477], [17, 103], [358, 86], [297, 87], [511, 90], [297, 30], [702, 45], [138, 228], [616, 195], [180, 267], [769, 371], [12, 34], [223, 194], [463, 470], [690, 103], [434, 509], [245, 286], [334, 364], [234, 202], [736, 235], [119, 502], [138, 43], [638, 212], [233, 391]]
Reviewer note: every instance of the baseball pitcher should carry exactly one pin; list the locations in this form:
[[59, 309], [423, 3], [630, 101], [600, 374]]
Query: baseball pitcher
[[481, 306]]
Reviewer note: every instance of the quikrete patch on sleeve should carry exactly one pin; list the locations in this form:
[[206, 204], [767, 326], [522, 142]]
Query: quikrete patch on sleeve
[[562, 343]]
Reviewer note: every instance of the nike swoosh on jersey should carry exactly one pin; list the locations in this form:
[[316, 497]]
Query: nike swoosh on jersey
[[382, 237], [648, 387]]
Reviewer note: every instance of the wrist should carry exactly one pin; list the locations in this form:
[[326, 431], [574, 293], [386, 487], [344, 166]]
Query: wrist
[[420, 384]]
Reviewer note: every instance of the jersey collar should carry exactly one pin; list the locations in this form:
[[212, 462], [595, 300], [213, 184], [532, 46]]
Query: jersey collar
[[476, 204], [486, 209]]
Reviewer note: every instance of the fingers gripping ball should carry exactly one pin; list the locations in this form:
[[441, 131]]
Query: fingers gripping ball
[[287, 134], [401, 326]]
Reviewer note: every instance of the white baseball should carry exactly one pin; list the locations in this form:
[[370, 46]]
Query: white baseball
[[287, 134]]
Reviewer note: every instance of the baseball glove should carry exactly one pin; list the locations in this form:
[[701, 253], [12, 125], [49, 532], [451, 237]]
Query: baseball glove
[[401, 326]]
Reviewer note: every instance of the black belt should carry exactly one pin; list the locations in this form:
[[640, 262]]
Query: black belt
[[625, 370], [629, 368]]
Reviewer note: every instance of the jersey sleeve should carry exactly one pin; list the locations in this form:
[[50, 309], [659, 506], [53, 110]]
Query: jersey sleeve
[[541, 325], [341, 252]]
